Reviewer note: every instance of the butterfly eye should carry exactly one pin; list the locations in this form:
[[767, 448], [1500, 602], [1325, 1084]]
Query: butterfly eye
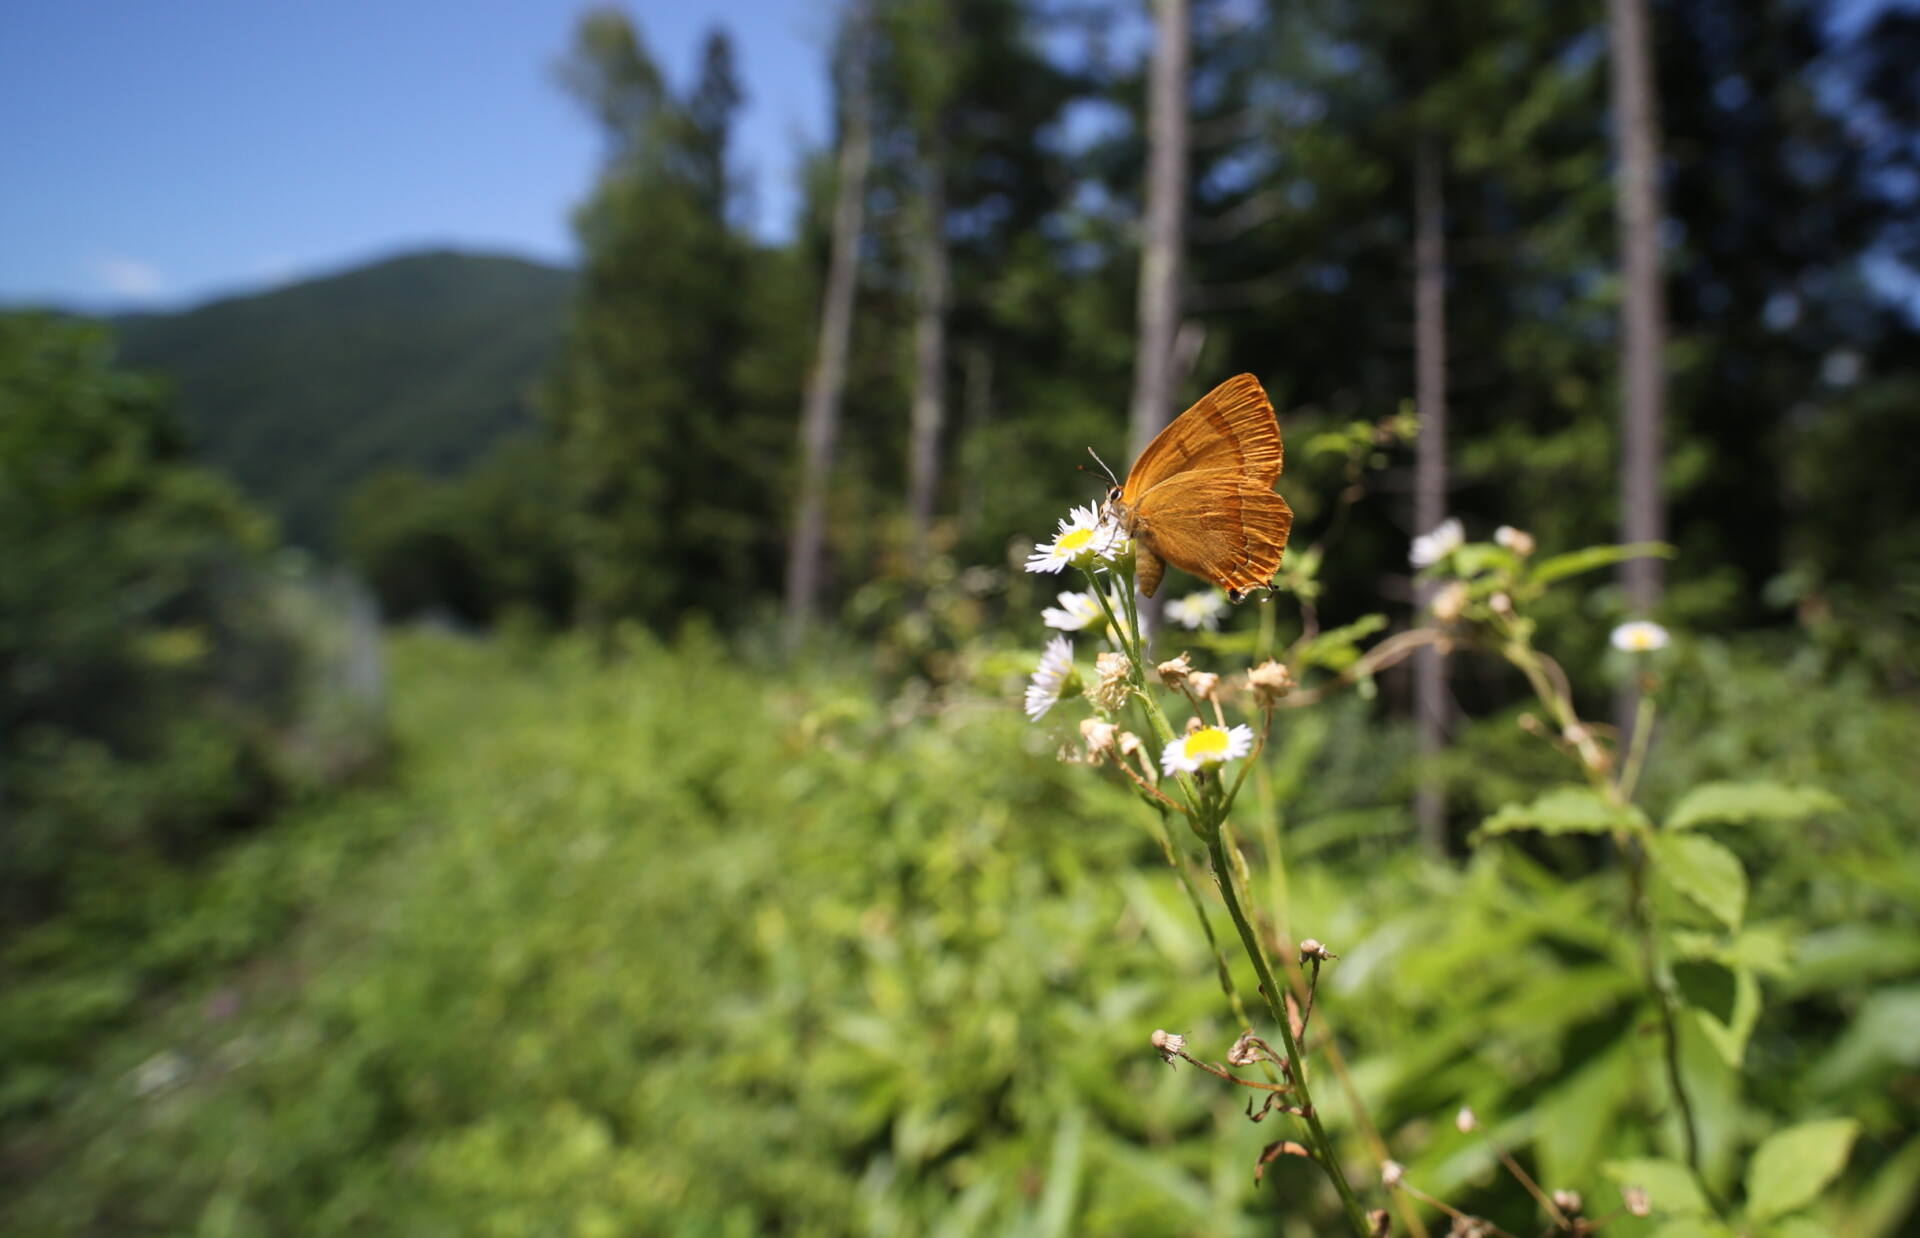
[[1236, 595], [1113, 495]]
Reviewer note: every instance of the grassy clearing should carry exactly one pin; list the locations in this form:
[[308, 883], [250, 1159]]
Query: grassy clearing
[[672, 947]]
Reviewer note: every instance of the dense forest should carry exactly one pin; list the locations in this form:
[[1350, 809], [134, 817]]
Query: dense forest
[[700, 568]]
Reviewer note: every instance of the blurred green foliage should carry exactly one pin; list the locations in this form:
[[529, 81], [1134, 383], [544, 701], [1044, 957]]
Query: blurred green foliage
[[162, 681], [682, 946]]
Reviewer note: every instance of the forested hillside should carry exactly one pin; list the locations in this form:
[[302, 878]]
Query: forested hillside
[[423, 361]]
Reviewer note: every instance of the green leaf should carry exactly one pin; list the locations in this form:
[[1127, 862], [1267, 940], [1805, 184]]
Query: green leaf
[[1670, 1185], [1566, 810], [1746, 803], [1338, 648], [1556, 567], [1705, 872], [1795, 1165], [1693, 1227], [1728, 1032]]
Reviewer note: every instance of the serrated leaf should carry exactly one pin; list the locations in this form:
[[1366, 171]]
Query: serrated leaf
[[1670, 1185], [1794, 1165], [1566, 810], [1557, 567], [1744, 803], [1705, 872]]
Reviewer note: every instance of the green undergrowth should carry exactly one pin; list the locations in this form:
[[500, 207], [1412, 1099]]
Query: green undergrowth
[[675, 945]]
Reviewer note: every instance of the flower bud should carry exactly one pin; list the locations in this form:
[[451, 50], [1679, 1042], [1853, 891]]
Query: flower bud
[[1450, 601], [1568, 1202], [1390, 1174], [1464, 1121], [1516, 540], [1637, 1201]]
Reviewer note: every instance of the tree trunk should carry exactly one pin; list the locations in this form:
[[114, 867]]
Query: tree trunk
[[976, 407], [820, 417], [1430, 701], [1642, 311], [1162, 243], [929, 414], [1636, 132]]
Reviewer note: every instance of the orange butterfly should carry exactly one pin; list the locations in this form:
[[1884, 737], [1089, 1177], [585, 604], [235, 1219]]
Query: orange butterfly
[[1201, 495]]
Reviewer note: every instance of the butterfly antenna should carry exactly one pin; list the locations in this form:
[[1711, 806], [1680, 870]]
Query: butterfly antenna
[[1103, 466]]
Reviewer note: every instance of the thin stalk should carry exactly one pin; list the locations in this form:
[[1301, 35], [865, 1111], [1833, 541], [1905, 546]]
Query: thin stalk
[[1270, 989]]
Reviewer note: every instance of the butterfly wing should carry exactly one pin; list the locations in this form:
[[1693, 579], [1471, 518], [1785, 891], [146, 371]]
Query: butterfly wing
[[1215, 523], [1231, 427]]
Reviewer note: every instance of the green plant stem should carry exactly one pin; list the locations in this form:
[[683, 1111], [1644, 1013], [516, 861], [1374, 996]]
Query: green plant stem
[[1637, 751], [1643, 921], [1521, 653], [1322, 1146]]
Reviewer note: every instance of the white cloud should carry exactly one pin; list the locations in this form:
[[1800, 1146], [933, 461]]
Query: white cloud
[[133, 278]]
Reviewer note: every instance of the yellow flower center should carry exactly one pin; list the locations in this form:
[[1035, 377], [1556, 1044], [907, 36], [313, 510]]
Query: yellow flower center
[[1074, 540], [1208, 743]]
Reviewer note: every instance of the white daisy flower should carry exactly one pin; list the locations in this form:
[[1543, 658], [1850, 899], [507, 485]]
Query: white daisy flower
[[1639, 636], [1198, 610], [1431, 547], [1210, 745], [1083, 540], [1050, 677], [1075, 612]]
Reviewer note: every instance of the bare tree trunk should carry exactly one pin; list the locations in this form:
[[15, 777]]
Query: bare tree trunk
[[1162, 243], [929, 413], [1430, 702], [976, 407], [820, 417], [1636, 131], [1642, 309]]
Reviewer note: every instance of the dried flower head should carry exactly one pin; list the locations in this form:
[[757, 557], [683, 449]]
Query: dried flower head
[[1637, 1200], [1245, 1050], [1313, 950], [1568, 1202], [1269, 682], [1518, 541], [1464, 1121], [1100, 737], [1170, 1044], [1449, 601], [1109, 693], [1174, 671], [1390, 1174], [1203, 684], [1500, 604]]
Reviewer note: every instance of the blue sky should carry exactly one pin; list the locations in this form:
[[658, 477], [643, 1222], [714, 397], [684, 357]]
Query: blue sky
[[158, 152]]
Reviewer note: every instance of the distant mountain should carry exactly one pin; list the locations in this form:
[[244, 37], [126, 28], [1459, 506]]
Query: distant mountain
[[424, 360]]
